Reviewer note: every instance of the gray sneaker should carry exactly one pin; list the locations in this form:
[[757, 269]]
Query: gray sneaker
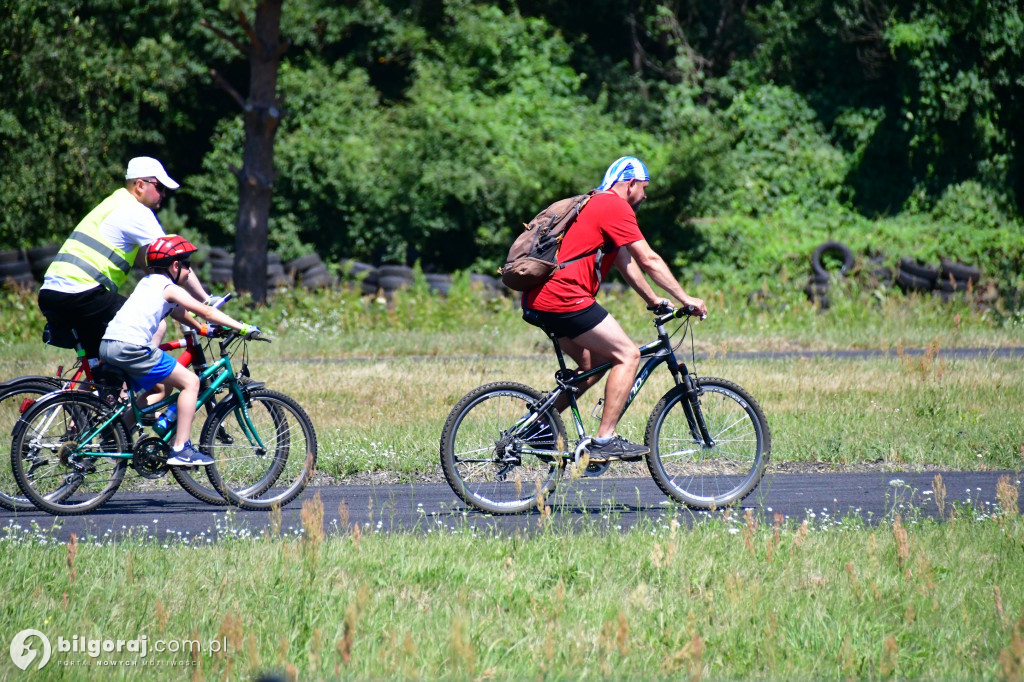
[[189, 457], [618, 448]]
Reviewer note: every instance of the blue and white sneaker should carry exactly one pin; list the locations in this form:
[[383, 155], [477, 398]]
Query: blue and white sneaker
[[189, 457]]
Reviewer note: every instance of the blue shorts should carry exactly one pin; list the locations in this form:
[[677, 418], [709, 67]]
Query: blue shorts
[[145, 366]]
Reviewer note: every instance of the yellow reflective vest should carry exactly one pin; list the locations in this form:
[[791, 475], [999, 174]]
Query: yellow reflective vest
[[86, 258]]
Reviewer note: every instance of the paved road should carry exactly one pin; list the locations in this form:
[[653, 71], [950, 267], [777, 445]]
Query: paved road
[[604, 503]]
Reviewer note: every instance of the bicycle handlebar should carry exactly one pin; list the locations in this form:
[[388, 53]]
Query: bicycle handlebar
[[663, 312]]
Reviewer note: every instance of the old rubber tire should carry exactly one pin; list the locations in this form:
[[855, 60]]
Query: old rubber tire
[[833, 247]]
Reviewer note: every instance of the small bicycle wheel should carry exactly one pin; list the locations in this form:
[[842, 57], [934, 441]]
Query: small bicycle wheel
[[702, 476], [264, 450], [487, 466], [16, 397], [56, 469]]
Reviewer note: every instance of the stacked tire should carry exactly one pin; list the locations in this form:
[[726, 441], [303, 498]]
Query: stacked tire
[[947, 281], [40, 257], [15, 270], [358, 275], [221, 266], [309, 272], [822, 275]]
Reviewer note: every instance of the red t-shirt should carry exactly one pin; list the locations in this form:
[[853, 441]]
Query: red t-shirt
[[607, 221]]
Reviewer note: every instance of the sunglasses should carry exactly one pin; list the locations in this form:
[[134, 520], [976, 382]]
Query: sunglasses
[[185, 263], [159, 188]]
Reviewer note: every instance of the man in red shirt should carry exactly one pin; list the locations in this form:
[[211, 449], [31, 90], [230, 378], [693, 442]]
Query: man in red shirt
[[566, 306]]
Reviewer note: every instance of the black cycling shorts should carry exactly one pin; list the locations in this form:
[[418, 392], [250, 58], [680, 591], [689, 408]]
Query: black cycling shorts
[[567, 325], [87, 312]]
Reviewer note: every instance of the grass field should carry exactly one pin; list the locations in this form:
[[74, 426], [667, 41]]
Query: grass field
[[735, 597]]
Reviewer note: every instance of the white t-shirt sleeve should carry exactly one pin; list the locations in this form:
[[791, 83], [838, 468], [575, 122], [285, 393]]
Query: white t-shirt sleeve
[[130, 226]]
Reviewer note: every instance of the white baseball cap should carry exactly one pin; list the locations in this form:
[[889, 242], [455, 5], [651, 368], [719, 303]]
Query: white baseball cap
[[148, 167]]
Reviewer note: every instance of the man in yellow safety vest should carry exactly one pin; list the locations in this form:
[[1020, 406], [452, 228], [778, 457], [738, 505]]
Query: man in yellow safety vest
[[79, 289]]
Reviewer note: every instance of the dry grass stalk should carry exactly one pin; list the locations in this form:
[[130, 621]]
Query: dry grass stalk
[[344, 517], [622, 634], [801, 536], [161, 617], [899, 534], [72, 552], [312, 514], [854, 581], [999, 604], [316, 648], [129, 568], [1007, 494], [749, 527], [691, 655], [939, 488], [463, 653], [1011, 659], [275, 520], [890, 654], [231, 629], [282, 649], [197, 661]]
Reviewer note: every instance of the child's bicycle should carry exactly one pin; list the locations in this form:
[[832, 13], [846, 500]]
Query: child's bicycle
[[19, 394], [504, 445], [70, 449]]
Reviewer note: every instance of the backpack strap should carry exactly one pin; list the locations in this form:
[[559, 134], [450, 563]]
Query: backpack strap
[[579, 209]]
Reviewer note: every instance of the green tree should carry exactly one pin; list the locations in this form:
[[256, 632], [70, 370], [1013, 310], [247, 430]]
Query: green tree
[[83, 87]]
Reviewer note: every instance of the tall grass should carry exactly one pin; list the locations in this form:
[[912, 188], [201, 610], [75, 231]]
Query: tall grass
[[734, 597]]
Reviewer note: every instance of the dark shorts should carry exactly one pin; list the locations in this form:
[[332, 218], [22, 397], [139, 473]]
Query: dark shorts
[[567, 325], [87, 312]]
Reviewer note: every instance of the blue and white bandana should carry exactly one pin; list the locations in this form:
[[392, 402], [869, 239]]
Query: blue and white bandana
[[626, 168]]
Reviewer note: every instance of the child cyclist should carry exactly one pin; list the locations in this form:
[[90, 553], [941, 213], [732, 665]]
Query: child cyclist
[[127, 343]]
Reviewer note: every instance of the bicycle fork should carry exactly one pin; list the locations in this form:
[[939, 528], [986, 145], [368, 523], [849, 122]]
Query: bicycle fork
[[693, 412]]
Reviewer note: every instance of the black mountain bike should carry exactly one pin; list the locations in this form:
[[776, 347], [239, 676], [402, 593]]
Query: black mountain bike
[[504, 445]]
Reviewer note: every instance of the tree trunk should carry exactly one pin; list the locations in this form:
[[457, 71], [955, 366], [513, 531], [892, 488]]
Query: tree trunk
[[256, 178]]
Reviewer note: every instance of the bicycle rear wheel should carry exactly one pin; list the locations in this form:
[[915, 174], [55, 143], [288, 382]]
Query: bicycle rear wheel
[[268, 455], [492, 470], [695, 474], [56, 469], [16, 397]]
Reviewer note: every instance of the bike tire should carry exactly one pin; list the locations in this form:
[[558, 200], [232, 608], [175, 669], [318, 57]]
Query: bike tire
[[256, 478], [16, 397], [701, 477], [44, 456], [192, 481], [479, 424]]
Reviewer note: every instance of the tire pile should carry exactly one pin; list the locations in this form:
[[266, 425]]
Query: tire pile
[[386, 279], [820, 280], [946, 281], [24, 268], [308, 271]]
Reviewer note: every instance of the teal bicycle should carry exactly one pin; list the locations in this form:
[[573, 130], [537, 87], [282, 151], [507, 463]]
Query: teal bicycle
[[504, 445], [71, 449]]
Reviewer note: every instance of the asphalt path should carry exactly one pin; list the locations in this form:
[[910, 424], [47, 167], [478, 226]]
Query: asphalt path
[[605, 504]]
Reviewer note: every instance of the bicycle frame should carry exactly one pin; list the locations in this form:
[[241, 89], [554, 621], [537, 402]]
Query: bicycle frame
[[656, 353], [212, 378]]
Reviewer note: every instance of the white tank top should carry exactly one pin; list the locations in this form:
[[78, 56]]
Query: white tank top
[[141, 314]]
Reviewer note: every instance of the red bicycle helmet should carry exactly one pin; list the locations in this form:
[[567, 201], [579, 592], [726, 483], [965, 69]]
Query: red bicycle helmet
[[168, 249]]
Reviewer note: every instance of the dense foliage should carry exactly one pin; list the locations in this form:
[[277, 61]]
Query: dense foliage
[[430, 131]]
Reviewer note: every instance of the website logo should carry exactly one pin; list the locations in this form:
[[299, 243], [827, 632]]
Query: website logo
[[23, 653]]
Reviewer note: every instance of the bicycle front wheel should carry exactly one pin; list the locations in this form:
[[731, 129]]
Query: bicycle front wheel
[[491, 468], [264, 451], [16, 397], [708, 476], [58, 453]]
